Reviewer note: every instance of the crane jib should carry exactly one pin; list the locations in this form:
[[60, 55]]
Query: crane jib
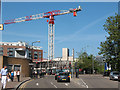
[[44, 15]]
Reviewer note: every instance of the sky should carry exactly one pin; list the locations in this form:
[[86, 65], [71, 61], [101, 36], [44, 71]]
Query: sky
[[60, 0], [82, 32]]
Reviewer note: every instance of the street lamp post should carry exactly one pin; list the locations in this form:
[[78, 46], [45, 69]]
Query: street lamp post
[[93, 65], [72, 62], [32, 52], [46, 65], [61, 62], [104, 65]]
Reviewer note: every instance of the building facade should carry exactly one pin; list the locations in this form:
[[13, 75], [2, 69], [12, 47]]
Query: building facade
[[59, 62], [20, 55]]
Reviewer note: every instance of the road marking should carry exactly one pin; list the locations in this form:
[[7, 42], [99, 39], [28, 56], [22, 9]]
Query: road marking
[[53, 85], [23, 85], [78, 83], [81, 82], [84, 83], [66, 84], [37, 84]]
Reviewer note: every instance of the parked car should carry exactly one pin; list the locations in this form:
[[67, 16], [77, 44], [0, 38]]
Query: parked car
[[63, 76], [114, 75], [119, 77]]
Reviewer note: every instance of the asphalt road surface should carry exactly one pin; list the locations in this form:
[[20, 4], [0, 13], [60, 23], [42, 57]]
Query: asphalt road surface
[[84, 81]]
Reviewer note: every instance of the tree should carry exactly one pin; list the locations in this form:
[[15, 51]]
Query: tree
[[110, 49], [85, 62]]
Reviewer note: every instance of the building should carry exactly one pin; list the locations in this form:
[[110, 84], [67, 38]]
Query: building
[[62, 62], [20, 55], [65, 53]]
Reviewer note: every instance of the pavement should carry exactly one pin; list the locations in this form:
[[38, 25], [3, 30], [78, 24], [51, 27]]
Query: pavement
[[15, 83]]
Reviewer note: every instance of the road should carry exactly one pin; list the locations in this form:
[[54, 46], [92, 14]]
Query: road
[[84, 81]]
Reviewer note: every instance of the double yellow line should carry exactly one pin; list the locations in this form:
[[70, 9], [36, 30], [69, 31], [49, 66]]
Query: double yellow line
[[24, 84]]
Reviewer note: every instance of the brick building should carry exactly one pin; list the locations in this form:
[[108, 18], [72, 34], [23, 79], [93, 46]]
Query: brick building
[[20, 55]]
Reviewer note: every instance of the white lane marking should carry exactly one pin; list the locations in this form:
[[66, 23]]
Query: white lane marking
[[53, 85], [66, 84], [78, 83], [84, 83], [37, 84]]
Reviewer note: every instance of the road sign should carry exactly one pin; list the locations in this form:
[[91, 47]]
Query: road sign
[[1, 26]]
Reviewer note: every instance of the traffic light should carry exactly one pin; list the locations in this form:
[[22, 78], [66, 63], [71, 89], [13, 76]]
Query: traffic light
[[69, 64], [37, 65]]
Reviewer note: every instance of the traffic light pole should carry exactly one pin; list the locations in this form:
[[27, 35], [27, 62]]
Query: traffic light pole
[[72, 62]]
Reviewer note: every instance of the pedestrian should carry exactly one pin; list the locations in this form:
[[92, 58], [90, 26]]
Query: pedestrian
[[35, 74], [15, 75], [4, 76], [9, 74], [18, 75], [12, 75]]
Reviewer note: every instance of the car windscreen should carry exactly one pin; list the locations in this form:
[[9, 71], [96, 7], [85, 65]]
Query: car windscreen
[[115, 73], [64, 74]]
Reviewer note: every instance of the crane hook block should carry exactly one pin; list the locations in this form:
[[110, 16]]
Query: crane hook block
[[74, 13]]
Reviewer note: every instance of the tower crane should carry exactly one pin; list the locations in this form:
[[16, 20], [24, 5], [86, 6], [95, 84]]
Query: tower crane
[[51, 26]]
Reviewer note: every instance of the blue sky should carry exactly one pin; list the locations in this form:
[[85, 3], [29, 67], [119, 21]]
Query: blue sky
[[84, 31], [60, 0]]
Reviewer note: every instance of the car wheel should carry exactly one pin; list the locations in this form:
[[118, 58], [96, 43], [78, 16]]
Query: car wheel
[[57, 80], [69, 81], [110, 79]]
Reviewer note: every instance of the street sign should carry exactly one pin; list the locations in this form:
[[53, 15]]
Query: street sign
[[1, 26]]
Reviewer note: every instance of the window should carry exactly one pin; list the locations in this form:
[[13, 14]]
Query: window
[[21, 53], [9, 68], [1, 48], [10, 49], [1, 52], [39, 53], [17, 67], [35, 52], [40, 56], [10, 54], [35, 56]]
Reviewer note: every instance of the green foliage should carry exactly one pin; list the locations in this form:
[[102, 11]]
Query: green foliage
[[85, 62], [110, 49]]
